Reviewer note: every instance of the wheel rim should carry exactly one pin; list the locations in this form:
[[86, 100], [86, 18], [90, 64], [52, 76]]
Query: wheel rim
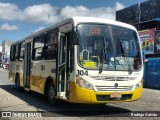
[[51, 93]]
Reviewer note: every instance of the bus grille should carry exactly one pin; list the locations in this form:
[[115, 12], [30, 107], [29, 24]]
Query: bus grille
[[110, 78], [113, 88]]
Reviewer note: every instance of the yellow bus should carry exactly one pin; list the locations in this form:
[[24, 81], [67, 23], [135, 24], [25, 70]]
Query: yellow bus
[[80, 60]]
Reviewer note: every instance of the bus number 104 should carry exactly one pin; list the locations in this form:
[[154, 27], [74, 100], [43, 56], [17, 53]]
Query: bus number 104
[[81, 72]]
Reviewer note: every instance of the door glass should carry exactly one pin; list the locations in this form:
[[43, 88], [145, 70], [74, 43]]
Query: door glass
[[62, 50], [27, 63], [62, 64]]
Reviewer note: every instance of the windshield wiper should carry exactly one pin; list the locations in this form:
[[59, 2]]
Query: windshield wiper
[[102, 61], [103, 57], [125, 56], [100, 68]]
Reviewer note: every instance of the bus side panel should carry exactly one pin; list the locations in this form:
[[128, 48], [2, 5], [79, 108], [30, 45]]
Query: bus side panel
[[37, 83], [14, 68], [40, 72], [12, 72]]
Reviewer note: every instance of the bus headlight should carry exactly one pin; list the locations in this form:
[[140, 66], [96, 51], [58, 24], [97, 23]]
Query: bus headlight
[[84, 84], [139, 84]]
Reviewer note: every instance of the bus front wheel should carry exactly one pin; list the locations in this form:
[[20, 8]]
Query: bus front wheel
[[51, 93]]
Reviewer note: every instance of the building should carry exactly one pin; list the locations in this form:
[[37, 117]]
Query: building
[[0, 55], [145, 17], [0, 52], [5, 57], [142, 15]]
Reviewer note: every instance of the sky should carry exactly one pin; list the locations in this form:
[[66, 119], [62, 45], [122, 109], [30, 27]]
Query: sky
[[19, 18]]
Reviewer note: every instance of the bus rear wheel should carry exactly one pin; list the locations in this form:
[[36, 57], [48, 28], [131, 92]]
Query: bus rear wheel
[[51, 93]]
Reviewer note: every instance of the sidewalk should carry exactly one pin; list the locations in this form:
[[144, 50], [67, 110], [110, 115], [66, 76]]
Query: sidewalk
[[1, 69]]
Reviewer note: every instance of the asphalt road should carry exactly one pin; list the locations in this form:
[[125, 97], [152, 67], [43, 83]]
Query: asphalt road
[[20, 101]]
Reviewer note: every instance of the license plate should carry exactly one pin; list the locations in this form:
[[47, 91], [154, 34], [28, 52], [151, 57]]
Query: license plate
[[116, 95]]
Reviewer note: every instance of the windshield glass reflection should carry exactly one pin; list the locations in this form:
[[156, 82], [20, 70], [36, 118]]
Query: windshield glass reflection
[[109, 47]]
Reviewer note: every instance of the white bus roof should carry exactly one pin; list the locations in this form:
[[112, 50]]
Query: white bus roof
[[77, 20], [102, 21]]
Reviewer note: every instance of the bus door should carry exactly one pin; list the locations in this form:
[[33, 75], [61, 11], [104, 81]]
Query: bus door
[[27, 64], [62, 65]]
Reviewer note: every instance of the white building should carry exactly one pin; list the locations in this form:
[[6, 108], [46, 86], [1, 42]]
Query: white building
[[6, 44], [0, 55], [0, 52]]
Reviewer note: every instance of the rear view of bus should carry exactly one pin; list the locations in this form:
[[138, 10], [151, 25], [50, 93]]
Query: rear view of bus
[[109, 65]]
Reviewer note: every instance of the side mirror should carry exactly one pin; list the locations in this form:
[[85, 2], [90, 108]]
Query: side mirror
[[74, 37]]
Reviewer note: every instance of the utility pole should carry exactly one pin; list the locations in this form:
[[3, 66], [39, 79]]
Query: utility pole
[[58, 13], [58, 10], [139, 16]]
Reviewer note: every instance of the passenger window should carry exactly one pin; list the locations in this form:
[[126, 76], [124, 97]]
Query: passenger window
[[51, 45], [12, 54], [17, 52], [22, 51], [38, 46]]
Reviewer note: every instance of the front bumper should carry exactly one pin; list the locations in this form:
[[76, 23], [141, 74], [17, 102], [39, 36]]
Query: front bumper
[[81, 95]]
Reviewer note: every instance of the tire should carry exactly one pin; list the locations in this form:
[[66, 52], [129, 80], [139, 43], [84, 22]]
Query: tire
[[17, 82], [51, 93]]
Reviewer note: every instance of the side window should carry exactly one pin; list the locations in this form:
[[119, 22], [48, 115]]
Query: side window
[[38, 46], [51, 45], [17, 52], [12, 53], [22, 47]]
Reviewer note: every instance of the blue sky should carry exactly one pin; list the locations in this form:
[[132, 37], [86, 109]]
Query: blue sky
[[19, 18]]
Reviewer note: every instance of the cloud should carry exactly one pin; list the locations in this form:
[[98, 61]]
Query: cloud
[[48, 14], [119, 6], [38, 29], [38, 13], [10, 11], [102, 12], [7, 27]]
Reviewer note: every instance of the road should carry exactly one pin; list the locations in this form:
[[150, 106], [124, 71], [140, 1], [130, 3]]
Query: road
[[13, 100]]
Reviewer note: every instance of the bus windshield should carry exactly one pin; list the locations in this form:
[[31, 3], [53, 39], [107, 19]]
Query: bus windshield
[[111, 47]]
